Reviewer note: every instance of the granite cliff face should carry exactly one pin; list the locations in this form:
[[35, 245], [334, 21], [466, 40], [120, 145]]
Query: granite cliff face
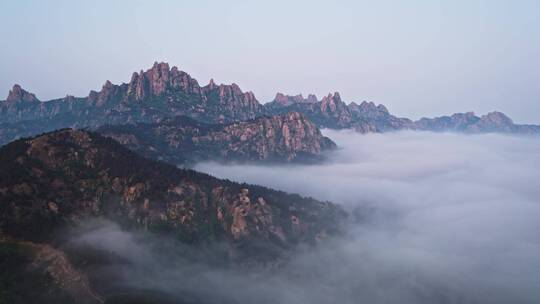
[[56, 181], [181, 140]]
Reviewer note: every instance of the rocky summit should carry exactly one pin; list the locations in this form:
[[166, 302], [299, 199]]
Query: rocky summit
[[55, 182], [182, 140], [282, 100]]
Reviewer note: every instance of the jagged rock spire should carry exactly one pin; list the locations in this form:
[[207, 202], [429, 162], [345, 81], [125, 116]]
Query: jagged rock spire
[[17, 94]]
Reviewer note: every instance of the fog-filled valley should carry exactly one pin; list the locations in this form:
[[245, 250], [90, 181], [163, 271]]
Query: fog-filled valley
[[435, 218]]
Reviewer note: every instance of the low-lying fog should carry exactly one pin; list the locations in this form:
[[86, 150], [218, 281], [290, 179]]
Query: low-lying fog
[[443, 218], [437, 218]]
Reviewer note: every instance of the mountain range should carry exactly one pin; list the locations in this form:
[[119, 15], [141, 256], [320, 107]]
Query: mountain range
[[162, 92]]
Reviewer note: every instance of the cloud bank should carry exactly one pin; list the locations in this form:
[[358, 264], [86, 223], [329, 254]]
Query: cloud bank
[[440, 218], [436, 218]]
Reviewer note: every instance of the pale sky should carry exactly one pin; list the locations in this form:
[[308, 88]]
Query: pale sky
[[418, 57]]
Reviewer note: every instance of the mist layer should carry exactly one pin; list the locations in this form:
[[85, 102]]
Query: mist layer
[[436, 218]]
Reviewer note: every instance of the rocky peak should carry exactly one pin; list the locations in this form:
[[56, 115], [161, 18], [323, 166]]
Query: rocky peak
[[281, 99], [337, 97], [330, 102], [236, 89], [497, 118], [250, 97], [368, 109], [211, 85], [18, 94], [492, 122], [465, 116], [229, 91], [298, 98], [469, 122], [382, 108], [108, 85], [287, 100], [160, 79], [311, 98], [231, 95], [367, 105], [109, 92]]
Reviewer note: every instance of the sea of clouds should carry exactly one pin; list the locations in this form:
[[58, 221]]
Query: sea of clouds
[[435, 218], [440, 217]]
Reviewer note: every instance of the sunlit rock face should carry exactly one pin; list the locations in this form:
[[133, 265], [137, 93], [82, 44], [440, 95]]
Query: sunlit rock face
[[281, 138]]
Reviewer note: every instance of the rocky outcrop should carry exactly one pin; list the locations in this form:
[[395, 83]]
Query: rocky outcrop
[[282, 100], [288, 137], [17, 94]]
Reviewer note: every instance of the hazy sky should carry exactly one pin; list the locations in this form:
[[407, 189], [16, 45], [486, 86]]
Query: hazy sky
[[420, 58]]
